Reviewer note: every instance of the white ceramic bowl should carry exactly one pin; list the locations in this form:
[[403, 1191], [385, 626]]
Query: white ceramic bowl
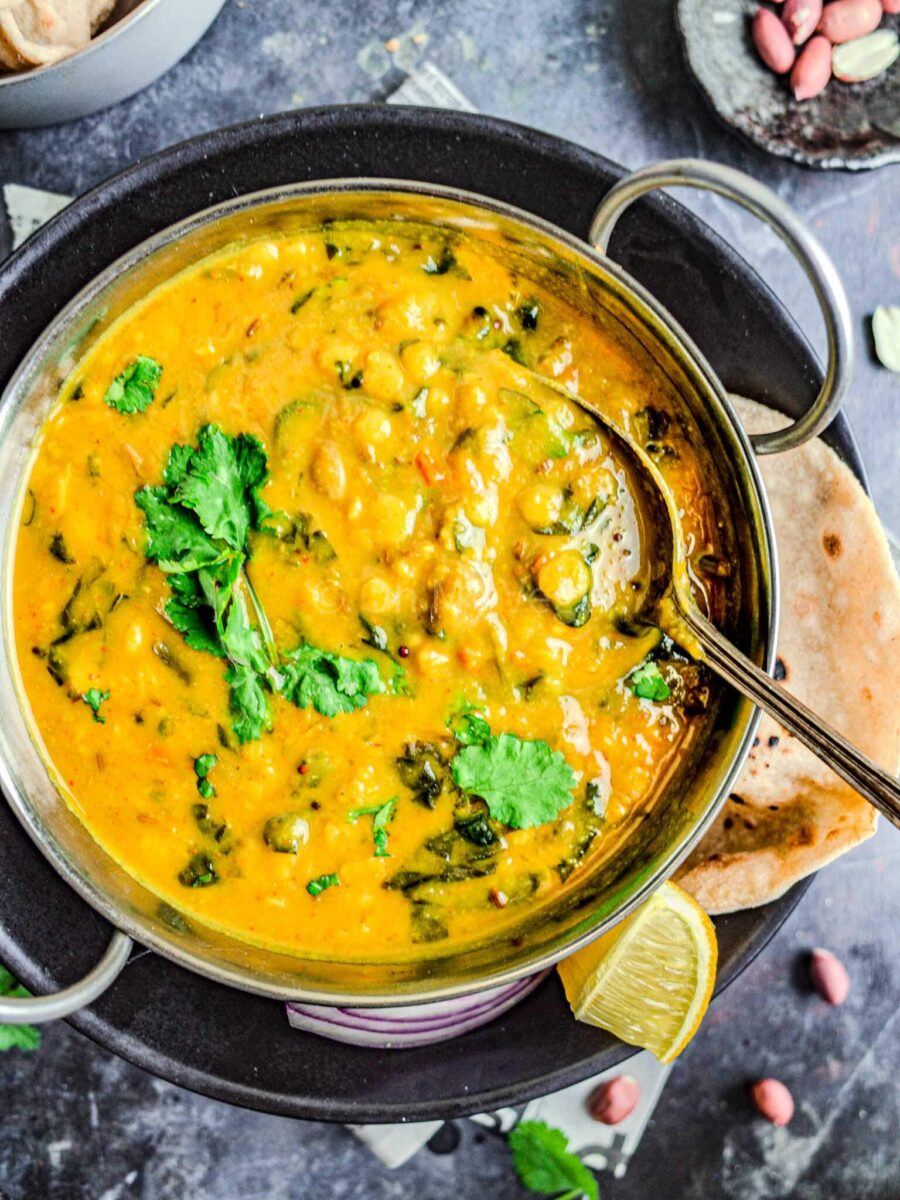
[[149, 38]]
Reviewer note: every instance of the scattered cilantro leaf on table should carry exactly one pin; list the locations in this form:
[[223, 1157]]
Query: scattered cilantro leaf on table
[[523, 782], [134, 389], [545, 1164], [93, 698], [16, 1037], [647, 682]]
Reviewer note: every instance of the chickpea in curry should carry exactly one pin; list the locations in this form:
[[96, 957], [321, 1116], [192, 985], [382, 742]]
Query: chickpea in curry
[[325, 619]]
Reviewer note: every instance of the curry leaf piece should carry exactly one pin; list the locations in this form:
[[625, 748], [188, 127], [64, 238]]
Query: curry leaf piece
[[329, 683], [546, 1165], [523, 783], [93, 697], [317, 886], [134, 389], [251, 714], [175, 540], [16, 1037], [647, 682]]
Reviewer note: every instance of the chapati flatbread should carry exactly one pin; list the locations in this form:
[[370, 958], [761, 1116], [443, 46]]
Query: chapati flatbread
[[839, 648], [39, 32]]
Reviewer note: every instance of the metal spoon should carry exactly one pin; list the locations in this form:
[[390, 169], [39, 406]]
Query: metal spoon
[[670, 604]]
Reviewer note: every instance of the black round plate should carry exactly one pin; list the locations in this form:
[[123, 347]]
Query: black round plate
[[848, 126], [215, 1039]]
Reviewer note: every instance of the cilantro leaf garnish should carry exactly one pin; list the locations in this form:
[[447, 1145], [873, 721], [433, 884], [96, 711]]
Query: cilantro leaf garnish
[[134, 389], [523, 782], [468, 726], [316, 886], [545, 1164], [16, 1037], [329, 683], [220, 481], [202, 767], [647, 682], [251, 714], [93, 697], [199, 522], [382, 815]]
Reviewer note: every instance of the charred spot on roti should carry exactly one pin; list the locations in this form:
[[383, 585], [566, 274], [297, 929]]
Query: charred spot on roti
[[832, 544], [780, 671]]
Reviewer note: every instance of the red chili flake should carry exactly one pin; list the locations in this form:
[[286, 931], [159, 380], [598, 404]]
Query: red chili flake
[[303, 769], [403, 651]]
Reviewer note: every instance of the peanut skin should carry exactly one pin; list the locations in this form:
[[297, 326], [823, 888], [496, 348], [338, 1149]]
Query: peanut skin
[[891, 6], [614, 1100], [772, 41], [812, 70], [800, 18], [845, 20], [828, 976], [772, 1100]]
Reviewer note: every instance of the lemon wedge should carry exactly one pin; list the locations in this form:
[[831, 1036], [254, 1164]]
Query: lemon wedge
[[649, 979]]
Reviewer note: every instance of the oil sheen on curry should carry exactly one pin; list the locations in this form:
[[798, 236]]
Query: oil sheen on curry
[[327, 620]]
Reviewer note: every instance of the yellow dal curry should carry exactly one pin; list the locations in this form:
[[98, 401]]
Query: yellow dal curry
[[324, 618]]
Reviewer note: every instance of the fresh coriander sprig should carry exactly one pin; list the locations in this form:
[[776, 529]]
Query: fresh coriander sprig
[[545, 1164], [199, 522]]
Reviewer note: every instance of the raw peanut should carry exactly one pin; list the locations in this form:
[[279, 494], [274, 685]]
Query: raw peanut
[[812, 70], [772, 41], [828, 976], [866, 57], [772, 1100], [614, 1100], [845, 20], [801, 18]]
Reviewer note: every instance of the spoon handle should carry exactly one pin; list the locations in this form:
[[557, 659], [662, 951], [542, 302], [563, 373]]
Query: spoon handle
[[872, 782]]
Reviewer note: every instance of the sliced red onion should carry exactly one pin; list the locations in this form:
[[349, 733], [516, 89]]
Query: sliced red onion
[[403, 1026]]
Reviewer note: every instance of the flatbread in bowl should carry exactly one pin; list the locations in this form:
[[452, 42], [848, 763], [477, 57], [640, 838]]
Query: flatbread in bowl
[[839, 652]]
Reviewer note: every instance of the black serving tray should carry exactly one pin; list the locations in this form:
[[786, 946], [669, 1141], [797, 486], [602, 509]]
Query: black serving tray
[[226, 1043]]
